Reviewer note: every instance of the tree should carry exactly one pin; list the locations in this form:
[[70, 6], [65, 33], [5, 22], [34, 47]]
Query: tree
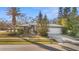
[[42, 24], [39, 23], [60, 15], [70, 22], [73, 24], [22, 19], [60, 12], [45, 25], [64, 17], [63, 14], [14, 12], [74, 11], [3, 24], [66, 12]]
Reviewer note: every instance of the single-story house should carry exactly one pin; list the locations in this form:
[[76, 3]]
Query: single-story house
[[52, 28]]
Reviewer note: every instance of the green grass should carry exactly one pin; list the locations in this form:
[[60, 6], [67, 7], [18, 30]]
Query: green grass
[[14, 43], [8, 37], [21, 41], [37, 39], [1, 33]]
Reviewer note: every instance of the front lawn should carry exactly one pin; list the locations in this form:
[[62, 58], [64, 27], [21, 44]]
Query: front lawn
[[5, 39], [13, 43]]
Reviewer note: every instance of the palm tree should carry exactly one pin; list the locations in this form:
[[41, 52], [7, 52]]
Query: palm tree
[[14, 12]]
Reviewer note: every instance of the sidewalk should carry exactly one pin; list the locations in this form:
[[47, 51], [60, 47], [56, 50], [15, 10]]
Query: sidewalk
[[30, 47], [33, 47]]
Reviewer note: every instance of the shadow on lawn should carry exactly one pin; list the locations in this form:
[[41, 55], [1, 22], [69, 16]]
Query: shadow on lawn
[[42, 45]]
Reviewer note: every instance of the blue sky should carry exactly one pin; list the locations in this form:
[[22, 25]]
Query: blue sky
[[32, 12], [51, 12]]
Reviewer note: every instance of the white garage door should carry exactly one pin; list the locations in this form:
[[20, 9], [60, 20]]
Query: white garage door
[[55, 30]]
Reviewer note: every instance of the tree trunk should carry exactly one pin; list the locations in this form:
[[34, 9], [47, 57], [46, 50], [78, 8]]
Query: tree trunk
[[14, 22]]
